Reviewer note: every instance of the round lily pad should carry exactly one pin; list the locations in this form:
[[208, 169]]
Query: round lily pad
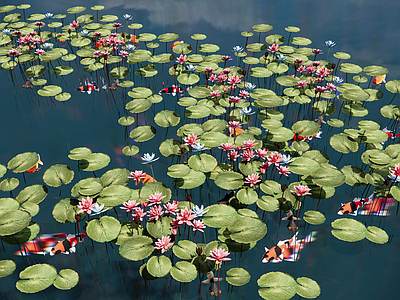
[[143, 133], [66, 279], [119, 72], [63, 96], [308, 288], [7, 267], [65, 212], [343, 143], [208, 48], [237, 276], [377, 235], [375, 70], [183, 271], [114, 195], [35, 71], [185, 249], [335, 123], [229, 180], [57, 175], [136, 248], [247, 229], [130, 150], [104, 229], [23, 236], [76, 9], [314, 217], [348, 230], [94, 162], [138, 105], [220, 216], [262, 27], [140, 92], [159, 266], [190, 181], [167, 118], [9, 184], [350, 68], [62, 70], [79, 153], [277, 285], [50, 91], [36, 278], [203, 163]]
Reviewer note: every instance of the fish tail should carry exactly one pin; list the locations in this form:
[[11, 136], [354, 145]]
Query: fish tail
[[311, 237], [104, 87]]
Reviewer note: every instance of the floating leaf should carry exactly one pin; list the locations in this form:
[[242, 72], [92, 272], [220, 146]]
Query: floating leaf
[[277, 286], [65, 212], [307, 288], [155, 188], [160, 228], [350, 68], [375, 70], [7, 267], [114, 195], [262, 27], [229, 180], [349, 230], [116, 176], [57, 175], [314, 217], [143, 133], [237, 276], [343, 143], [62, 70], [119, 72], [104, 229], [203, 163], [138, 105], [167, 118], [185, 249], [36, 278], [246, 229], [49, 91], [377, 235], [66, 279], [190, 181], [183, 271], [130, 150], [136, 248], [9, 184], [35, 71], [220, 216], [247, 196], [79, 153], [25, 235], [94, 162], [159, 266]]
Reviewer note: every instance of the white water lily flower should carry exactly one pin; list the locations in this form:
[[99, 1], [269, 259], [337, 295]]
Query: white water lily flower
[[98, 209], [130, 47], [199, 147], [47, 46], [85, 33], [281, 57], [49, 16], [286, 159], [237, 49], [199, 211], [249, 86], [330, 44], [190, 67], [246, 111], [6, 31], [337, 80], [147, 158], [127, 17]]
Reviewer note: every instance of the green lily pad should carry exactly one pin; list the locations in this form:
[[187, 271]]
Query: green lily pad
[[391, 112], [94, 162], [7, 267], [393, 86], [247, 196], [7, 8], [9, 184], [159, 266], [354, 175], [350, 68], [8, 204], [126, 121], [305, 128], [262, 27], [348, 230], [160, 228], [375, 70], [13, 222], [79, 153], [50, 91], [12, 17], [114, 195], [343, 143], [308, 288], [143, 133], [25, 235], [136, 248], [63, 96], [229, 180], [140, 92], [328, 177], [246, 229], [185, 249], [268, 203], [208, 48], [119, 72], [62, 70], [303, 166], [104, 229], [57, 175], [36, 278], [183, 271], [260, 72], [76, 9], [178, 171], [220, 216], [203, 163], [117, 176], [65, 212], [35, 71], [277, 286], [138, 105], [237, 276], [130, 150], [167, 118], [190, 181], [66, 279], [153, 188], [314, 217], [377, 235]]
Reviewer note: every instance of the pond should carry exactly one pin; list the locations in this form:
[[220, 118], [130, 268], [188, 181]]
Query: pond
[[82, 128]]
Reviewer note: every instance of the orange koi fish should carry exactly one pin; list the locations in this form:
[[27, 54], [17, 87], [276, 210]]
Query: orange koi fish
[[36, 166], [237, 131], [352, 207], [134, 39], [67, 245], [288, 250], [147, 179], [213, 284], [176, 43], [379, 80]]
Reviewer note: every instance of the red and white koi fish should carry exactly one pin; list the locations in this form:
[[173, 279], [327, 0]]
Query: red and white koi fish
[[176, 43], [213, 284], [288, 250], [172, 90], [67, 245], [88, 87], [352, 207], [379, 80], [36, 166], [378, 207], [390, 134]]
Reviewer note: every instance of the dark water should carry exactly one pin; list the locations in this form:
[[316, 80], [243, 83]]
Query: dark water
[[365, 29]]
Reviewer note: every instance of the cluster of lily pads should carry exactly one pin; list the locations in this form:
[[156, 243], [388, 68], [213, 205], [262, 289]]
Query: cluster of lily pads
[[232, 138]]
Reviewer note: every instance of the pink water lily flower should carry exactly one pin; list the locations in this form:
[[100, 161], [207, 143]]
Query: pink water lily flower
[[181, 59], [138, 213], [273, 48], [226, 146], [219, 255], [284, 171], [130, 205], [248, 154], [155, 198], [185, 216], [198, 225], [249, 144], [396, 171], [191, 140], [171, 208], [155, 212], [137, 175], [253, 179], [164, 243], [301, 190], [86, 205], [74, 24]]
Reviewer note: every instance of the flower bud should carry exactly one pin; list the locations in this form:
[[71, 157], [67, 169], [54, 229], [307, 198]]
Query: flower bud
[[199, 251], [78, 218]]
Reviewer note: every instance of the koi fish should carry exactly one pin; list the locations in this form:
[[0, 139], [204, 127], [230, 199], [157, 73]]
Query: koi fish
[[98, 45], [292, 224], [67, 245], [88, 87], [378, 207], [172, 90], [36, 166], [41, 245], [213, 284], [115, 84], [379, 80], [235, 132], [390, 133], [176, 43], [352, 207], [28, 84], [320, 120], [147, 178], [288, 250], [134, 39], [298, 137]]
